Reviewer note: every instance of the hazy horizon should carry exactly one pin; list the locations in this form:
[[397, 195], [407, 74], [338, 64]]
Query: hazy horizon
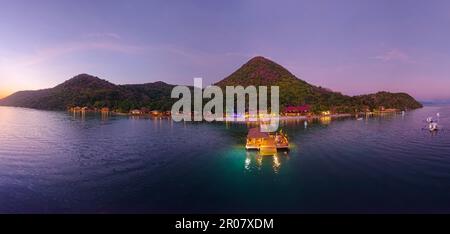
[[353, 47]]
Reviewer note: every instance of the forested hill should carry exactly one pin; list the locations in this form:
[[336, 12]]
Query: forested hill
[[86, 90], [294, 91]]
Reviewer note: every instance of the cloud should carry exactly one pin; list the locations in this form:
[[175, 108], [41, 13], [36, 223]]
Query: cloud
[[53, 52], [103, 36], [394, 55], [245, 55], [50, 53]]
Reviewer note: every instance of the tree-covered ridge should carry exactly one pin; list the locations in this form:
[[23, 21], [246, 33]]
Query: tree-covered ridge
[[401, 101], [86, 90], [89, 91], [293, 91]]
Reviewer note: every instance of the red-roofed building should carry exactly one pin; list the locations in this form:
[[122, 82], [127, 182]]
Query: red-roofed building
[[297, 109]]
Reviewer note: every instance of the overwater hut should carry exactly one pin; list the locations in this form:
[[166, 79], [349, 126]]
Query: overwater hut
[[255, 138], [265, 142], [136, 112]]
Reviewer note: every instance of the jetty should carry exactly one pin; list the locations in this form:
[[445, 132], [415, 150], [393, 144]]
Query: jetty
[[266, 143]]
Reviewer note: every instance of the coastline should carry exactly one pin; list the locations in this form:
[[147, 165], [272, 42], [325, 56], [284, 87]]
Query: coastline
[[304, 117], [282, 117]]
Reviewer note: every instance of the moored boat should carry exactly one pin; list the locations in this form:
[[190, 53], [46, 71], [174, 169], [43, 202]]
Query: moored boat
[[433, 126]]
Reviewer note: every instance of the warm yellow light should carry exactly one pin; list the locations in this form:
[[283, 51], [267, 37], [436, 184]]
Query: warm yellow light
[[4, 93]]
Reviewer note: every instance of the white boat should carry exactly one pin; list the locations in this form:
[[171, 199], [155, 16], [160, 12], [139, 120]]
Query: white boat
[[433, 126]]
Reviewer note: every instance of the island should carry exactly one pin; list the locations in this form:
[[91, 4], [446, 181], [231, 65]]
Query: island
[[297, 97]]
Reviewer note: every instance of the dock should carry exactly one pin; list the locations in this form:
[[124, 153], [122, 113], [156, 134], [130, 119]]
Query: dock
[[266, 143]]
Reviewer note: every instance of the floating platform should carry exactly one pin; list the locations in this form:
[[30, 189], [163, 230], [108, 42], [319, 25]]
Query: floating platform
[[266, 143]]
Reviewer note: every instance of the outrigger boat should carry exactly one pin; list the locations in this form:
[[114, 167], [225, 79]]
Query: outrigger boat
[[432, 125], [266, 143]]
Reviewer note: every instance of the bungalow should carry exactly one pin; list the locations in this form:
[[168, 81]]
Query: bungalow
[[145, 110], [75, 109], [366, 109], [104, 110], [136, 112], [297, 110], [326, 113], [255, 138], [155, 113]]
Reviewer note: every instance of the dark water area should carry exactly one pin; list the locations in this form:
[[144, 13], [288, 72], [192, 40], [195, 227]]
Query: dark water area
[[56, 162]]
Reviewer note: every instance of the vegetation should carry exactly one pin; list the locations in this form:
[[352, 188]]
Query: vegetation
[[293, 91], [85, 90]]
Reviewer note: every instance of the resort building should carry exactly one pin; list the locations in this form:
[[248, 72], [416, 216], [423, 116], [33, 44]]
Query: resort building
[[145, 110], [136, 112], [297, 110], [155, 113], [75, 109], [80, 109], [86, 109], [366, 109], [326, 113], [255, 138], [266, 143]]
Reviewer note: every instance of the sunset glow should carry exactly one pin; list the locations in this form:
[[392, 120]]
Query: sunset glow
[[4, 93], [229, 116], [400, 48]]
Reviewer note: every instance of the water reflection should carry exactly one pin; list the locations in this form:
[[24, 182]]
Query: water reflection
[[104, 116], [259, 162], [79, 115], [433, 133], [326, 120], [247, 163], [276, 164]]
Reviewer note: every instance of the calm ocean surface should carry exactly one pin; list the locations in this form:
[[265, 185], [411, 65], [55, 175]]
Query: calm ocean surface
[[56, 162]]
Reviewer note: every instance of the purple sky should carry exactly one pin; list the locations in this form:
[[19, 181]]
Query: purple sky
[[349, 46]]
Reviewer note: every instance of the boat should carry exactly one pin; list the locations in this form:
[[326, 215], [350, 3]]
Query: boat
[[266, 143], [433, 126]]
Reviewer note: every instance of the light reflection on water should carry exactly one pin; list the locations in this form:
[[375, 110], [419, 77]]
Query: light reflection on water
[[255, 160], [59, 162]]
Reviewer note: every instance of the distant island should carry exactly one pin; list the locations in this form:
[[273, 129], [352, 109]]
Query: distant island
[[94, 93]]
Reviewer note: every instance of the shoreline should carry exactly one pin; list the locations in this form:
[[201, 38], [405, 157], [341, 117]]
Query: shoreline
[[283, 117], [303, 117]]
